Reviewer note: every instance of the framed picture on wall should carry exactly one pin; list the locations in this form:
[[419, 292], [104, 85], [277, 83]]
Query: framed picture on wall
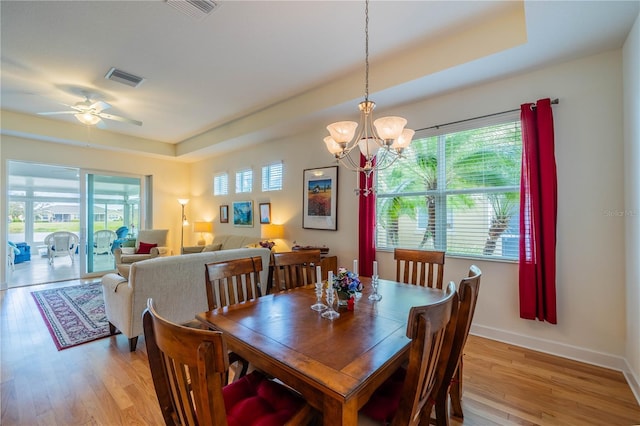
[[265, 213], [320, 198], [224, 213], [243, 213]]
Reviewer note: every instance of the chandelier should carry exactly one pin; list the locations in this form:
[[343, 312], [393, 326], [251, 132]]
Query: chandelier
[[381, 142]]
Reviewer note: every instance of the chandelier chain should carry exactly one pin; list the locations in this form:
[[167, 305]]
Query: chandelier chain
[[366, 50]]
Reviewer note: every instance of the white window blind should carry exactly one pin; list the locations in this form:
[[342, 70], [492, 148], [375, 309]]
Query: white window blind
[[272, 177], [244, 181], [455, 190], [221, 184]]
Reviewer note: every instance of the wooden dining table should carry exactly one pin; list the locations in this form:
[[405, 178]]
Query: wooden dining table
[[335, 364]]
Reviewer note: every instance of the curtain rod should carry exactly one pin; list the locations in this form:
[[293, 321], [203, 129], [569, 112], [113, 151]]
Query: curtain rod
[[553, 102]]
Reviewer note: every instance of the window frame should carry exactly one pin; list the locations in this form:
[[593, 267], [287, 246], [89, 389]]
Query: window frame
[[444, 218], [242, 186], [224, 186], [271, 175]]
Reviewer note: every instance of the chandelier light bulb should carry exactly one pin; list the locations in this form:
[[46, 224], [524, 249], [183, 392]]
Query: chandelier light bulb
[[404, 140], [389, 128], [342, 131]]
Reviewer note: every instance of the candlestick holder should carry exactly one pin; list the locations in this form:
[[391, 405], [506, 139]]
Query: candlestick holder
[[319, 306], [330, 313], [375, 296]]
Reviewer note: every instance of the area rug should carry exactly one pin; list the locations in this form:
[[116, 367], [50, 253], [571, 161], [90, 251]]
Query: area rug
[[74, 315]]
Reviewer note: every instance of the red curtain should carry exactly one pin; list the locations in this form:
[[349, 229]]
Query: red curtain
[[538, 213], [366, 226]]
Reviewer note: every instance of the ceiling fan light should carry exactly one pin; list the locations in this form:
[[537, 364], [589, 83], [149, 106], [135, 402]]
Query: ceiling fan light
[[342, 131], [389, 128], [87, 118]]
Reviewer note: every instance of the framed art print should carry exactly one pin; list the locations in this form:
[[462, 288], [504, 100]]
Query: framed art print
[[265, 213], [243, 213], [224, 214], [320, 198]]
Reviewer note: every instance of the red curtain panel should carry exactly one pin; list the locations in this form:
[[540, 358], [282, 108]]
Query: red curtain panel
[[538, 214], [367, 226]]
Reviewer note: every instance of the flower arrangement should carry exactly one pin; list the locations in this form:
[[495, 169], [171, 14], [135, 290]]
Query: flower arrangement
[[346, 281]]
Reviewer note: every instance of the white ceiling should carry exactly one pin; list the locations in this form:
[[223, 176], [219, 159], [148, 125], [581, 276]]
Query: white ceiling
[[250, 63]]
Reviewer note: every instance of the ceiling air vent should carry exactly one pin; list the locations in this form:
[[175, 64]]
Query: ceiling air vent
[[196, 9], [124, 77]]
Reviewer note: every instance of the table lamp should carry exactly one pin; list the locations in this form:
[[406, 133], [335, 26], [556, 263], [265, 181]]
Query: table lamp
[[202, 227], [271, 232]]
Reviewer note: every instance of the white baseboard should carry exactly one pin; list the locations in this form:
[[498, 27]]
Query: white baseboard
[[563, 350]]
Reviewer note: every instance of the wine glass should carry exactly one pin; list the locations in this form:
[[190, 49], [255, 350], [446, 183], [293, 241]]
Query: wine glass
[[330, 313], [374, 283], [319, 306]]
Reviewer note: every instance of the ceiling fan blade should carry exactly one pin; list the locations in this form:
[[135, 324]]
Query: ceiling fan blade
[[118, 118], [99, 106], [101, 125], [57, 112]]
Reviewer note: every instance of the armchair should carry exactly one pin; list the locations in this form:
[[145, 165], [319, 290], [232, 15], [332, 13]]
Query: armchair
[[150, 243]]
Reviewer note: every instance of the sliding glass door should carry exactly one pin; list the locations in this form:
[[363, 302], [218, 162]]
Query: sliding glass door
[[113, 216]]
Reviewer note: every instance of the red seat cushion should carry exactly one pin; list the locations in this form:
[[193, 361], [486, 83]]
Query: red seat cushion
[[145, 248], [255, 400], [384, 402]]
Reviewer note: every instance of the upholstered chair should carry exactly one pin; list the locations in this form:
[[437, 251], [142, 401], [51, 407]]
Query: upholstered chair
[[149, 244]]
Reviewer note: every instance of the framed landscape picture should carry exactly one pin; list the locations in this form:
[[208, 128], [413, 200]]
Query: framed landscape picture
[[243, 213], [265, 213], [320, 198], [224, 214]]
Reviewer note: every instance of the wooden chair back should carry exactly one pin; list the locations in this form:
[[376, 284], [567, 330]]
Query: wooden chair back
[[426, 328], [459, 329], [419, 267], [233, 281], [188, 367], [294, 269]]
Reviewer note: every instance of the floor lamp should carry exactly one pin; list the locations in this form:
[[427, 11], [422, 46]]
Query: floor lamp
[[183, 202]]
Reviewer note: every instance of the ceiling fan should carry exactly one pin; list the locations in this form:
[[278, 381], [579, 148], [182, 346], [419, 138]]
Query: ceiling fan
[[91, 113]]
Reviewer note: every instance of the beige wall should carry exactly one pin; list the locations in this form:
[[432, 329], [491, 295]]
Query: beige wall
[[631, 71]]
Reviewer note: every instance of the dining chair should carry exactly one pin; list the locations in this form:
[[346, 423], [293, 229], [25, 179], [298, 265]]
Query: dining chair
[[452, 380], [230, 282], [294, 269], [188, 367], [61, 243], [233, 281], [420, 267], [401, 399]]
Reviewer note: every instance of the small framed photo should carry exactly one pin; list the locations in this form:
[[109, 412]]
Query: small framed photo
[[243, 213], [265, 213], [224, 213], [320, 198]]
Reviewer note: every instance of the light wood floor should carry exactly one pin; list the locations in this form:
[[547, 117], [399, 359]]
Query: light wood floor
[[102, 383]]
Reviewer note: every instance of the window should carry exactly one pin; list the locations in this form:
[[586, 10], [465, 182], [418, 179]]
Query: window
[[455, 189], [244, 181], [272, 177], [221, 184]]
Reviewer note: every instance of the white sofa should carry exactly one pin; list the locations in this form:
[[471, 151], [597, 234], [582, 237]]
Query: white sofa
[[225, 242], [176, 284]]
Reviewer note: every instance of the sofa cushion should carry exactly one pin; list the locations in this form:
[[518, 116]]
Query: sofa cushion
[[145, 248], [212, 247]]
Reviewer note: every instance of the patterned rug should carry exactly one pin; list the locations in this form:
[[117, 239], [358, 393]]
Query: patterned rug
[[73, 315]]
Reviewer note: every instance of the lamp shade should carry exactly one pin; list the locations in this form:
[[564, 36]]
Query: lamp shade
[[202, 227], [272, 232]]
